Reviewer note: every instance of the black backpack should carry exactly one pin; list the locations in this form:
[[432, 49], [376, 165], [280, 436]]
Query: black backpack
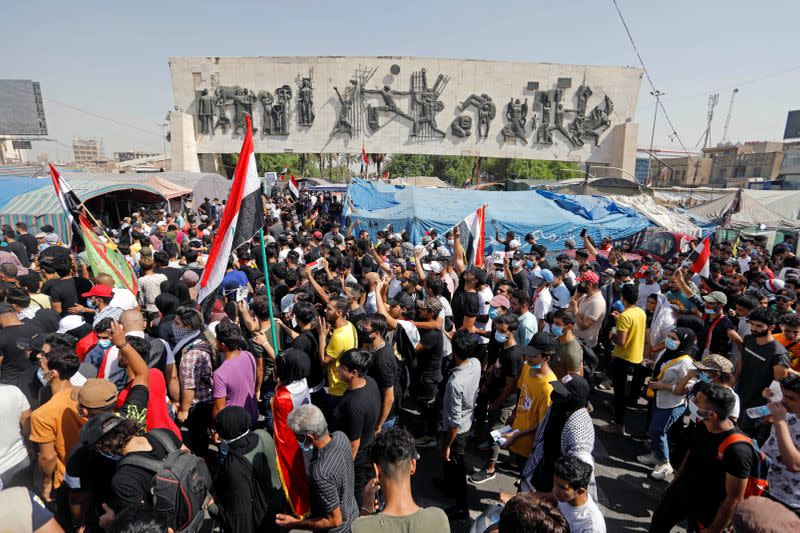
[[180, 483], [590, 359]]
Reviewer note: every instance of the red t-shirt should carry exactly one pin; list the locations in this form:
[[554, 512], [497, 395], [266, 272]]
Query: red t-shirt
[[157, 412]]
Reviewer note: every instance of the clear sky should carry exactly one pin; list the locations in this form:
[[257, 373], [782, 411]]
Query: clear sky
[[110, 58]]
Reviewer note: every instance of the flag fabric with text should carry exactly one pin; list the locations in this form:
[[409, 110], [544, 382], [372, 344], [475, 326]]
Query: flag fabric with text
[[243, 217], [700, 258], [472, 236]]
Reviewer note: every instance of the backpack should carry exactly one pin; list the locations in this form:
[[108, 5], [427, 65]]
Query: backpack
[[590, 359], [180, 483], [757, 482]]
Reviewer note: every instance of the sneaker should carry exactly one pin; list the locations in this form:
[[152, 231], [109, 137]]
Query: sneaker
[[481, 476], [507, 467], [649, 459], [662, 471], [426, 442]]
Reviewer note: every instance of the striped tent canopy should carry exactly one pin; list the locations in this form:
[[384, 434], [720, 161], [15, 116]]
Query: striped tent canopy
[[40, 207]]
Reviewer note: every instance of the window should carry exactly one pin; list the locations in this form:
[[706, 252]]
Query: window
[[756, 172]]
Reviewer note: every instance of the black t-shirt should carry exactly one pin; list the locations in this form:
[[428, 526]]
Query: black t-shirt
[[357, 414], [130, 484], [62, 291], [757, 369], [14, 361], [521, 281], [19, 249], [429, 360], [278, 293], [720, 343], [90, 473], [385, 373], [30, 243], [464, 304], [308, 342], [46, 319], [508, 365], [706, 474], [173, 274]]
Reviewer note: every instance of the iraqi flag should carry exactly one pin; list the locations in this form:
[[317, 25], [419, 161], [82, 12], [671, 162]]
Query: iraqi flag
[[243, 217], [69, 201], [472, 236], [294, 188], [291, 463], [700, 258]]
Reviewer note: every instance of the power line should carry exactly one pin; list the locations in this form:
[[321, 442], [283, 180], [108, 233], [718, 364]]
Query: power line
[[659, 102]]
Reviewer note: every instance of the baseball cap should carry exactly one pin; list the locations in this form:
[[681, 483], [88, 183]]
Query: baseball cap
[[500, 301], [433, 266], [97, 426], [730, 261], [774, 285], [786, 295], [317, 234], [41, 235], [51, 238], [571, 385], [715, 363], [70, 322], [716, 297], [546, 275], [431, 304], [99, 290], [97, 393], [190, 278], [479, 273], [514, 243], [589, 277], [542, 341], [402, 299]]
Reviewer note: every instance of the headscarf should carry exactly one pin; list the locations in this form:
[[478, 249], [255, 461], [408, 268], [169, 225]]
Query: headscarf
[[686, 339], [237, 488], [292, 365]]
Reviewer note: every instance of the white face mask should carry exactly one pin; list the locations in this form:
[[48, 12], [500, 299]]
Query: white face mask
[[694, 412]]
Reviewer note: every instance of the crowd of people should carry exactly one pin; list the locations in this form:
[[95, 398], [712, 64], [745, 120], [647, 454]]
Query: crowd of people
[[306, 402]]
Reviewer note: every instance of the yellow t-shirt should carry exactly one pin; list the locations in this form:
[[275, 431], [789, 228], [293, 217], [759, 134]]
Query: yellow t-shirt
[[58, 421], [534, 399], [634, 321], [342, 339]]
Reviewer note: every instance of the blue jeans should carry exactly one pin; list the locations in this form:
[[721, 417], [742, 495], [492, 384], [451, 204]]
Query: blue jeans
[[659, 426], [390, 423]]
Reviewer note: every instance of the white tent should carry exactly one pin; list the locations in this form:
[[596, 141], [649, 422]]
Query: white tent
[[761, 209]]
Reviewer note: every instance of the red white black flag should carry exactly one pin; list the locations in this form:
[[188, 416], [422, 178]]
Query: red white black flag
[[700, 258], [69, 200], [243, 217], [294, 188], [472, 236]]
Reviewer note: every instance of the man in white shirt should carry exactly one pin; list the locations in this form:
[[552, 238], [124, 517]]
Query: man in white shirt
[[15, 411], [542, 300], [570, 488], [560, 291]]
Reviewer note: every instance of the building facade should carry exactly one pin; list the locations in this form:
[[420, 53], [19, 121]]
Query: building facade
[[86, 151]]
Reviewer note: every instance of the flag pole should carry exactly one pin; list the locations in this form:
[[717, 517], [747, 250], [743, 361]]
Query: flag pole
[[269, 292]]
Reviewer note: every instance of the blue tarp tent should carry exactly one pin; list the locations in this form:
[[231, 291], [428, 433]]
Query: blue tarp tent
[[552, 219], [11, 186]]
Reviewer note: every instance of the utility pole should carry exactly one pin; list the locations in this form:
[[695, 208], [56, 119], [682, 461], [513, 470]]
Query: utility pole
[[728, 119], [713, 99], [658, 94]]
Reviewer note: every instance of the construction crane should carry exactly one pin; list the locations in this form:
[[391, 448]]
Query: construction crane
[[728, 118], [712, 103]]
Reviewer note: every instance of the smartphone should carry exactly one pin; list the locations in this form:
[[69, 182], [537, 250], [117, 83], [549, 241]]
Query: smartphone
[[583, 232], [758, 412]]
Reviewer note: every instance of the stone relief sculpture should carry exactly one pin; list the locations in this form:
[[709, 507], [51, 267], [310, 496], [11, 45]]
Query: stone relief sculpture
[[224, 98], [280, 111], [516, 114], [543, 134], [461, 126], [305, 102], [486, 112], [344, 121], [205, 112], [267, 124], [242, 105], [426, 104], [389, 105], [598, 120]]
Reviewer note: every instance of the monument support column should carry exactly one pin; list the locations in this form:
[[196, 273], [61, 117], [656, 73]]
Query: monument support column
[[183, 143], [623, 139]]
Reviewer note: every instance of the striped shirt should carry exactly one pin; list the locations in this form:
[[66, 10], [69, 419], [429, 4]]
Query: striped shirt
[[331, 481]]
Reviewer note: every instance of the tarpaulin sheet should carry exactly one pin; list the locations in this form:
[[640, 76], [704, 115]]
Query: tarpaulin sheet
[[418, 209], [11, 186], [767, 209], [592, 207]]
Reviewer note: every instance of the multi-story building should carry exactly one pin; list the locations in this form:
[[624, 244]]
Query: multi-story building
[[119, 157], [86, 151]]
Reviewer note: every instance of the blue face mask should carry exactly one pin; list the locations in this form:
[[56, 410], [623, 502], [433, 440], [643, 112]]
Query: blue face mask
[[500, 337], [112, 456], [704, 377], [90, 304], [556, 330], [671, 344], [516, 264], [493, 313], [40, 374], [104, 343], [537, 367], [305, 447], [530, 265]]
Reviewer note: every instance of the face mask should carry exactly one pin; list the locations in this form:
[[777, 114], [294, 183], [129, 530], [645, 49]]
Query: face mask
[[537, 367], [40, 374], [450, 242], [493, 313], [306, 447], [104, 343], [516, 264], [694, 412], [671, 344], [90, 304], [499, 274], [112, 456], [556, 330], [704, 377], [710, 311], [500, 337]]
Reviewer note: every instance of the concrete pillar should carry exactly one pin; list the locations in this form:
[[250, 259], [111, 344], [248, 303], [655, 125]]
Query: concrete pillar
[[623, 140], [182, 142]]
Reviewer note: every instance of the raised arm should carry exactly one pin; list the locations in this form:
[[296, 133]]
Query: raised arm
[[458, 252], [136, 364]]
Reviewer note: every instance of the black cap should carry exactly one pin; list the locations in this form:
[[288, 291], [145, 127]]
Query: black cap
[[572, 385], [542, 341], [402, 299], [97, 426]]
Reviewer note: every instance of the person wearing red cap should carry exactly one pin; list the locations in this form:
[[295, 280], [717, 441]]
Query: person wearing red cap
[[589, 307], [100, 299]]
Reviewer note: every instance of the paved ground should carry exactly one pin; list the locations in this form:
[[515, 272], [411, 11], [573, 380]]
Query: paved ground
[[628, 496]]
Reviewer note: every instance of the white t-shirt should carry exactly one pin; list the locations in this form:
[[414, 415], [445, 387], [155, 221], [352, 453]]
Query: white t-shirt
[[784, 485], [561, 296], [585, 518], [594, 308], [447, 346], [744, 263], [543, 303], [485, 296], [12, 448]]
